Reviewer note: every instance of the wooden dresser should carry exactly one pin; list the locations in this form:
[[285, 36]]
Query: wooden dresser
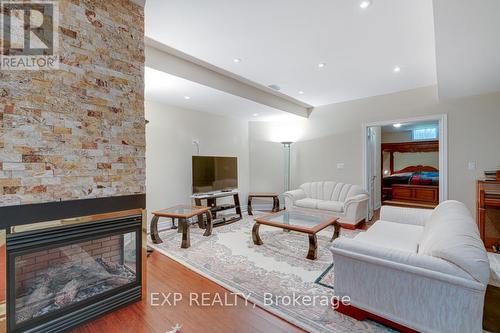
[[488, 211]]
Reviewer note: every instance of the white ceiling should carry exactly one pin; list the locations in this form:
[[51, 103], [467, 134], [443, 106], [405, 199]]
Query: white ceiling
[[282, 41], [169, 89], [467, 47]]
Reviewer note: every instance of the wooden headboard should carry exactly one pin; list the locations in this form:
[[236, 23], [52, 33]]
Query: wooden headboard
[[417, 168], [408, 147], [411, 147]]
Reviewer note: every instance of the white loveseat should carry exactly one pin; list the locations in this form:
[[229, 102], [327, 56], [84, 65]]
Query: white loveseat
[[424, 269], [348, 202]]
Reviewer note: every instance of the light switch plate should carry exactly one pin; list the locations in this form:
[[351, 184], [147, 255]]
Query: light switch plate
[[471, 165]]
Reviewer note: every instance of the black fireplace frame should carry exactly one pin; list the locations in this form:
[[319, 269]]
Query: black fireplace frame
[[60, 320]]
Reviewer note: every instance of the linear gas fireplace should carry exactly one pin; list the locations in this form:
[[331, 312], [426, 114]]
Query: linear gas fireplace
[[62, 273]]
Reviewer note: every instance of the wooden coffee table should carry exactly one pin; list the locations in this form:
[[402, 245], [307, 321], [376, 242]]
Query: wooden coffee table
[[274, 196], [182, 213], [296, 220]]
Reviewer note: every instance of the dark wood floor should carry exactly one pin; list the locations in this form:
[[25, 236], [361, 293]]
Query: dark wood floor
[[166, 275]]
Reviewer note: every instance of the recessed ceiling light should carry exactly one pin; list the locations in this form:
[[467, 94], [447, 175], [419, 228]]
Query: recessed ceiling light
[[321, 65], [236, 60], [398, 125], [365, 4], [187, 97], [397, 69], [274, 87], [255, 115], [301, 92]]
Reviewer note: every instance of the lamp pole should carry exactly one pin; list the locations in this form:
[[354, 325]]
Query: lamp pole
[[286, 148]]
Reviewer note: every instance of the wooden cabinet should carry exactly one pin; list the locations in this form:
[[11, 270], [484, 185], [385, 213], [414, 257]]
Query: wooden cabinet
[[416, 193], [488, 211]]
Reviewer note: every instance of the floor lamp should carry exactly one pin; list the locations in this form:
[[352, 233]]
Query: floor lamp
[[286, 149]]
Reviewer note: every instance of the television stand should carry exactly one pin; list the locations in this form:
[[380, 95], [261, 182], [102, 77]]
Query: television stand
[[211, 201]]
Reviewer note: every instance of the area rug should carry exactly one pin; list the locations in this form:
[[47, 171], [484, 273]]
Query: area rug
[[270, 273], [326, 278]]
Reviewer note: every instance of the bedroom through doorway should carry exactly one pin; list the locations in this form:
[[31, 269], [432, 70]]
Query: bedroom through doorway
[[405, 162]]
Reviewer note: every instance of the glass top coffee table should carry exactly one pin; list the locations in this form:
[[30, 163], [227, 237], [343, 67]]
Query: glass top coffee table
[[300, 221], [182, 213]]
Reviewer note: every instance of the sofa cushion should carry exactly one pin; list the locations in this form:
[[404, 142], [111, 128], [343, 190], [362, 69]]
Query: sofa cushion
[[331, 191], [333, 206], [451, 234], [393, 235], [307, 203]]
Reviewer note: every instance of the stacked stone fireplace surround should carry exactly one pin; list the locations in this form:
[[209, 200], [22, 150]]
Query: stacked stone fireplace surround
[[79, 131]]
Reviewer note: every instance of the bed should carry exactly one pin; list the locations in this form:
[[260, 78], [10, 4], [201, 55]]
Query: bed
[[416, 184], [413, 184]]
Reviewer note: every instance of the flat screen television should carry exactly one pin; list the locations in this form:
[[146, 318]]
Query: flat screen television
[[214, 173]]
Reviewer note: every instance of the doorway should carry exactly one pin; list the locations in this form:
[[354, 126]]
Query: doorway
[[405, 162]]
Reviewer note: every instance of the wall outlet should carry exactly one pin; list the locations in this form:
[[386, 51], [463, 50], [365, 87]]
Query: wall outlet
[[196, 142], [340, 165], [471, 165]]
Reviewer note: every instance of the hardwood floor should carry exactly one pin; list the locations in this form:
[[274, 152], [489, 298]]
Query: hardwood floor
[[166, 275]]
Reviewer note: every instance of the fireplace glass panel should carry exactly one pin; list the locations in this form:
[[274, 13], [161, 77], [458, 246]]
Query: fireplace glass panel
[[54, 278]]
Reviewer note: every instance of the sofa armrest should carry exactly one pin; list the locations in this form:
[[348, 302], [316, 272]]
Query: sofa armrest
[[355, 209], [356, 199], [415, 216], [423, 293], [417, 264], [294, 195]]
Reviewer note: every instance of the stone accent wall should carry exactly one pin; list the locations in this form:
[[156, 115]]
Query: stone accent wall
[[78, 132]]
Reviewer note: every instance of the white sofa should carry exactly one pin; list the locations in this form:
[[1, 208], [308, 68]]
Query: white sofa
[[424, 269], [348, 202]]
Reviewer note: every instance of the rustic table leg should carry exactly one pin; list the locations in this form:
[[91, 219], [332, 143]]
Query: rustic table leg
[[155, 237], [276, 204], [173, 224], [336, 231], [313, 247], [249, 208], [209, 226], [237, 204], [179, 229], [255, 234], [201, 222], [184, 225]]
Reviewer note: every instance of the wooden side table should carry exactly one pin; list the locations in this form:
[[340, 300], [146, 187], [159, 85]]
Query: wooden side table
[[182, 213], [274, 196]]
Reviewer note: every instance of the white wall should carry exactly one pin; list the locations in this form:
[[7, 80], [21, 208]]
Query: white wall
[[169, 149], [400, 136], [333, 134], [467, 47]]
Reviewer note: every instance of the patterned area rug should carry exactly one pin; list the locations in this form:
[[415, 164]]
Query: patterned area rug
[[326, 278], [278, 268]]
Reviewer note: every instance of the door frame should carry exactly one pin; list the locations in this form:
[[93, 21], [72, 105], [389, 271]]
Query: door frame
[[443, 148], [371, 159]]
